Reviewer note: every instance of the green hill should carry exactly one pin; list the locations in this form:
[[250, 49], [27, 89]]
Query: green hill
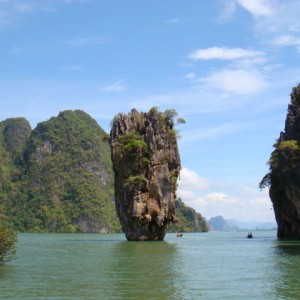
[[188, 220], [218, 223], [59, 178], [65, 180], [14, 133]]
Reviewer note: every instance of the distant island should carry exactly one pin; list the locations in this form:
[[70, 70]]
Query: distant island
[[58, 177], [218, 223]]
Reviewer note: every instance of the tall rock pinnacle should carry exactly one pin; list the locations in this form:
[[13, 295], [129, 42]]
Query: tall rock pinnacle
[[284, 176], [146, 164]]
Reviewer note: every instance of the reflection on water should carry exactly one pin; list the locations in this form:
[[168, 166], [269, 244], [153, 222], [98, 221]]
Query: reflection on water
[[62, 266], [223, 265], [286, 261], [287, 247], [146, 270]]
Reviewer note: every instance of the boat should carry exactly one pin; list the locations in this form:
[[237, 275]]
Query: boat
[[249, 235]]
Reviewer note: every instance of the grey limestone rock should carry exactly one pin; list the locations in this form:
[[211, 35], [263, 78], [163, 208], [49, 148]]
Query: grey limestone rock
[[284, 176], [146, 164]]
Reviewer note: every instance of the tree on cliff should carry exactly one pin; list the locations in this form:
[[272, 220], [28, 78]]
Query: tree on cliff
[[8, 239], [283, 178]]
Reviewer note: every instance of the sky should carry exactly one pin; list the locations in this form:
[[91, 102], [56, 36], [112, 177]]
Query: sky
[[226, 66]]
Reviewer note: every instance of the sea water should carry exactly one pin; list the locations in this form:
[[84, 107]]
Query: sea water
[[214, 265]]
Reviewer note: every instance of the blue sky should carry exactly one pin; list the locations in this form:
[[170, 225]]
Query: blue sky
[[226, 66]]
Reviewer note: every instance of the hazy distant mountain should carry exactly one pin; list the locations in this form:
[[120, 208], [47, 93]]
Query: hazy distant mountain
[[243, 225], [219, 224]]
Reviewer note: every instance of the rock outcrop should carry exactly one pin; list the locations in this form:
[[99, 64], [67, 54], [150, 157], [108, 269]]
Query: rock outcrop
[[146, 164], [284, 176]]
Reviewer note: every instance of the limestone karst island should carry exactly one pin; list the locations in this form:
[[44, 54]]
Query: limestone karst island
[[59, 176], [284, 176], [146, 164]]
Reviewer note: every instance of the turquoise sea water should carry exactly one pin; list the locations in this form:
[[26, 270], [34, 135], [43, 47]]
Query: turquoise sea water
[[210, 265]]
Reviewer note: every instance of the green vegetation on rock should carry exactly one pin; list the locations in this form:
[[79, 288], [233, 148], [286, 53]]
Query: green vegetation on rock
[[283, 179], [59, 178], [188, 220], [8, 239], [132, 151], [64, 182], [285, 158], [14, 133]]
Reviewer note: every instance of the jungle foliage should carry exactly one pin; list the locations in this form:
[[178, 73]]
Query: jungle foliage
[[285, 159], [8, 239], [59, 178], [62, 180], [188, 220]]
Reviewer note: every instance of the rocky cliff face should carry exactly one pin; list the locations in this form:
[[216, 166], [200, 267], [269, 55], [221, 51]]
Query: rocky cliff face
[[284, 176], [146, 164]]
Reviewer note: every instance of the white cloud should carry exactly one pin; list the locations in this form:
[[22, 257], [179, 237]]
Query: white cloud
[[257, 8], [261, 202], [25, 8], [213, 132], [186, 195], [275, 22], [224, 53], [176, 21], [242, 207], [286, 40], [190, 180], [241, 77], [115, 87], [235, 81], [211, 198], [220, 199], [228, 10], [12, 11], [191, 76]]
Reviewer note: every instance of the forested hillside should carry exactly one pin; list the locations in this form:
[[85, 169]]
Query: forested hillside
[[58, 177], [14, 133], [188, 220], [61, 180]]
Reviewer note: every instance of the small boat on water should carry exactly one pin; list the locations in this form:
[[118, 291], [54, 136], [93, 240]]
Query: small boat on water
[[249, 235], [179, 234]]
